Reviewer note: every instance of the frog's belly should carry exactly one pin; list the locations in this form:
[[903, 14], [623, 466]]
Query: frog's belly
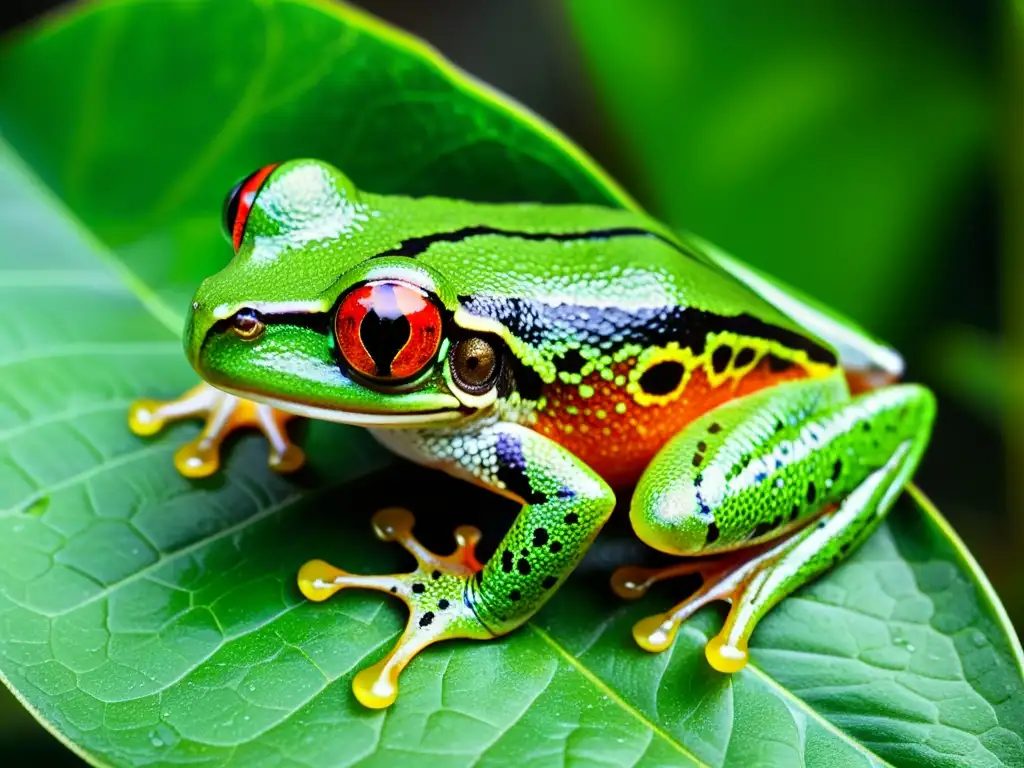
[[617, 434]]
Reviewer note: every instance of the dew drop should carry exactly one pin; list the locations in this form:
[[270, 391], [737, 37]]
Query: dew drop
[[979, 639], [38, 507]]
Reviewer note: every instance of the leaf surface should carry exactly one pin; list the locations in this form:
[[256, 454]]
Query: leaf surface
[[149, 620]]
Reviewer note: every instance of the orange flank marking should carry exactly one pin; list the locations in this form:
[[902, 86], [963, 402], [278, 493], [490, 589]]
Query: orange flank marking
[[619, 446]]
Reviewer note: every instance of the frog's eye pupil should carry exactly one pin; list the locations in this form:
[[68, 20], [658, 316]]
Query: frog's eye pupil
[[238, 203], [388, 330]]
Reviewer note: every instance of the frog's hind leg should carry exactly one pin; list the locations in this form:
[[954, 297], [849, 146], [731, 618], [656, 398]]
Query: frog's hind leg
[[434, 593], [222, 414], [800, 470]]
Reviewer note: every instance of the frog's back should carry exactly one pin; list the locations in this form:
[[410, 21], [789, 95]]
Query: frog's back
[[622, 332]]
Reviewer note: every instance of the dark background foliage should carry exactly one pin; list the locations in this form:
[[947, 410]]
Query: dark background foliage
[[945, 298]]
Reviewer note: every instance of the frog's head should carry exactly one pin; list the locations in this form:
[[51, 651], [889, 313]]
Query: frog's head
[[313, 316]]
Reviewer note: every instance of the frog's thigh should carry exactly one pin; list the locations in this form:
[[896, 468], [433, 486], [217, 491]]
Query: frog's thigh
[[745, 472], [856, 454]]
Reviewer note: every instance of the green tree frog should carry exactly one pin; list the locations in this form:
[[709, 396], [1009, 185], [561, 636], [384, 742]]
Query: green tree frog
[[551, 353]]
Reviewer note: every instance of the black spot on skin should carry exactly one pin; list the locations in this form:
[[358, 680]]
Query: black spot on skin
[[712, 533], [540, 537], [435, 575], [524, 566], [549, 582], [418, 588], [512, 469], [762, 528], [821, 525], [442, 603], [702, 446], [572, 518], [866, 426], [837, 470], [845, 547], [394, 590], [779, 426], [794, 513], [812, 493], [777, 364], [744, 357], [524, 551], [697, 459], [565, 493], [514, 595], [715, 428], [527, 381], [662, 378], [426, 618], [506, 561], [555, 547], [571, 362], [720, 358]]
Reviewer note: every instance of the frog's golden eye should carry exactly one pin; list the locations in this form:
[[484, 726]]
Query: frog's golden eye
[[474, 364], [239, 201], [388, 330]]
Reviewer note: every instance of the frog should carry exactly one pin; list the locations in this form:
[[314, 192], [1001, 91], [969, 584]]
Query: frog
[[557, 355]]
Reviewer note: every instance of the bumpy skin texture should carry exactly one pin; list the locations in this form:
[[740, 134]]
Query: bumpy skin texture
[[580, 348]]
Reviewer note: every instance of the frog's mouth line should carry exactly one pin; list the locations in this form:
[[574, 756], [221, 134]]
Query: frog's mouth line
[[423, 418]]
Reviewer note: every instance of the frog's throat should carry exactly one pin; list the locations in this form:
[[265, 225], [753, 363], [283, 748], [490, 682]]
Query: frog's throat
[[421, 419]]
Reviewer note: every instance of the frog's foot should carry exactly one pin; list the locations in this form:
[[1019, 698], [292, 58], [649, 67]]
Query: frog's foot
[[725, 578], [435, 593], [223, 414]]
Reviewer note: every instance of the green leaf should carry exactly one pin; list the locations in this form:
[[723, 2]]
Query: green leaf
[[146, 619], [828, 143]]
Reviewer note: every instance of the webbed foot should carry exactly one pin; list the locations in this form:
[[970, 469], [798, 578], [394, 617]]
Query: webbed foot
[[436, 593], [223, 414], [723, 578]]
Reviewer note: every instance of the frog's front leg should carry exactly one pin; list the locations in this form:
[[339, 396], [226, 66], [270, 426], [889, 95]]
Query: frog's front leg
[[222, 414], [799, 473], [565, 505]]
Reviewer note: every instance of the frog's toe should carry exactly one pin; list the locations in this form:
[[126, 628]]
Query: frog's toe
[[724, 578], [436, 594], [222, 414]]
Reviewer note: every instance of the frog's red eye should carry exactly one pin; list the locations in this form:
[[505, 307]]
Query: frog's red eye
[[388, 330], [239, 201]]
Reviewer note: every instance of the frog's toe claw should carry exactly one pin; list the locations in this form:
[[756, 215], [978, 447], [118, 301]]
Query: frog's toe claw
[[223, 414], [436, 593]]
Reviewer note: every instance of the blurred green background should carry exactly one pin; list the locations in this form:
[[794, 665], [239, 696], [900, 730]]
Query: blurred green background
[[868, 152]]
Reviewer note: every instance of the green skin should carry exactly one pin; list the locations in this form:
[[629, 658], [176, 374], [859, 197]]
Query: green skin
[[801, 469]]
